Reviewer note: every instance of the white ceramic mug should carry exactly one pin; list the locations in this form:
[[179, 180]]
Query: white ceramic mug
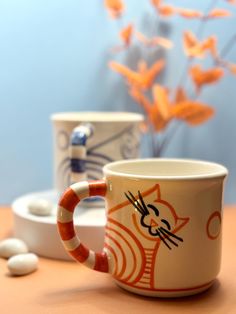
[[85, 141], [164, 225]]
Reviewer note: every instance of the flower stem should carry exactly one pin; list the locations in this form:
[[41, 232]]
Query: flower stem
[[228, 46], [167, 139]]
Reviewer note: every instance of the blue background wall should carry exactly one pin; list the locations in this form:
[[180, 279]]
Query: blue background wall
[[53, 58]]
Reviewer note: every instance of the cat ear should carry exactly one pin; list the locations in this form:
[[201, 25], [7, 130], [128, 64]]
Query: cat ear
[[180, 223], [158, 191]]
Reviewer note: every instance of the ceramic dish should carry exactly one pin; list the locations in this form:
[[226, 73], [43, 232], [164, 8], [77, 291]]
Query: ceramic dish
[[40, 233]]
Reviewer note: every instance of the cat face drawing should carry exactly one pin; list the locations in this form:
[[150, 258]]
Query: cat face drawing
[[137, 231], [157, 219]]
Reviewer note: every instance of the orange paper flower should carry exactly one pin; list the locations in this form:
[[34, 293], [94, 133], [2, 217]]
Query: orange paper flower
[[115, 7], [218, 13], [161, 99], [126, 34], [144, 77], [232, 68], [180, 95], [189, 14], [140, 98], [194, 48], [209, 44], [166, 10], [157, 111], [202, 77], [154, 41], [156, 3], [161, 105], [162, 9], [161, 111], [192, 112], [156, 119]]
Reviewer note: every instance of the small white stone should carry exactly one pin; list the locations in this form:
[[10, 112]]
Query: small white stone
[[22, 264], [40, 207], [12, 246]]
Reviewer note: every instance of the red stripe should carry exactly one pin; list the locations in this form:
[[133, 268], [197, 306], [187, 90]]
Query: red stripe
[[101, 262], [81, 253], [131, 249], [131, 234], [97, 188], [112, 251], [66, 230], [172, 290], [69, 200], [123, 258]]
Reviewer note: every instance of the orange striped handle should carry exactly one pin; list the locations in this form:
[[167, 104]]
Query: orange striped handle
[[71, 197]]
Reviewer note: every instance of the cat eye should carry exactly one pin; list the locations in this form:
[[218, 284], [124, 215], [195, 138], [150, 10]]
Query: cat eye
[[166, 223], [153, 208]]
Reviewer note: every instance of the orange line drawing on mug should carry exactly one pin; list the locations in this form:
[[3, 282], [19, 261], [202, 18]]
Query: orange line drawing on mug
[[149, 223], [124, 265], [216, 216], [130, 247], [138, 248]]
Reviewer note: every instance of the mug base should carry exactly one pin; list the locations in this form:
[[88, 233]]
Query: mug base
[[166, 293]]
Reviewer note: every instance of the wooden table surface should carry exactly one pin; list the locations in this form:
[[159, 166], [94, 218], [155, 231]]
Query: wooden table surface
[[67, 287]]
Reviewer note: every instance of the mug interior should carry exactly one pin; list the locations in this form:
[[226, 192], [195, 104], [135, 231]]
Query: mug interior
[[90, 116], [165, 169]]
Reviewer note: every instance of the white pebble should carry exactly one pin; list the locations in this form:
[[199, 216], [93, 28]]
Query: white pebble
[[12, 246], [22, 264], [40, 207]]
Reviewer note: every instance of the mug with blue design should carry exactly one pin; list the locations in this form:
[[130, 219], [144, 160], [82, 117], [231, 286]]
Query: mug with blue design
[[85, 141]]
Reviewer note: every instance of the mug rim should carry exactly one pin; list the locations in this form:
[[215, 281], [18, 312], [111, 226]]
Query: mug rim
[[97, 116], [215, 170]]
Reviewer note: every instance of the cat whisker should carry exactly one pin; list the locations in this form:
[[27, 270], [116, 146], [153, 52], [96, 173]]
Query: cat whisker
[[137, 202], [143, 203], [171, 234], [167, 237], [163, 240], [134, 202]]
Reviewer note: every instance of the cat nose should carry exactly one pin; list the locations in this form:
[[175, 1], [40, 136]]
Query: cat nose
[[153, 223]]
